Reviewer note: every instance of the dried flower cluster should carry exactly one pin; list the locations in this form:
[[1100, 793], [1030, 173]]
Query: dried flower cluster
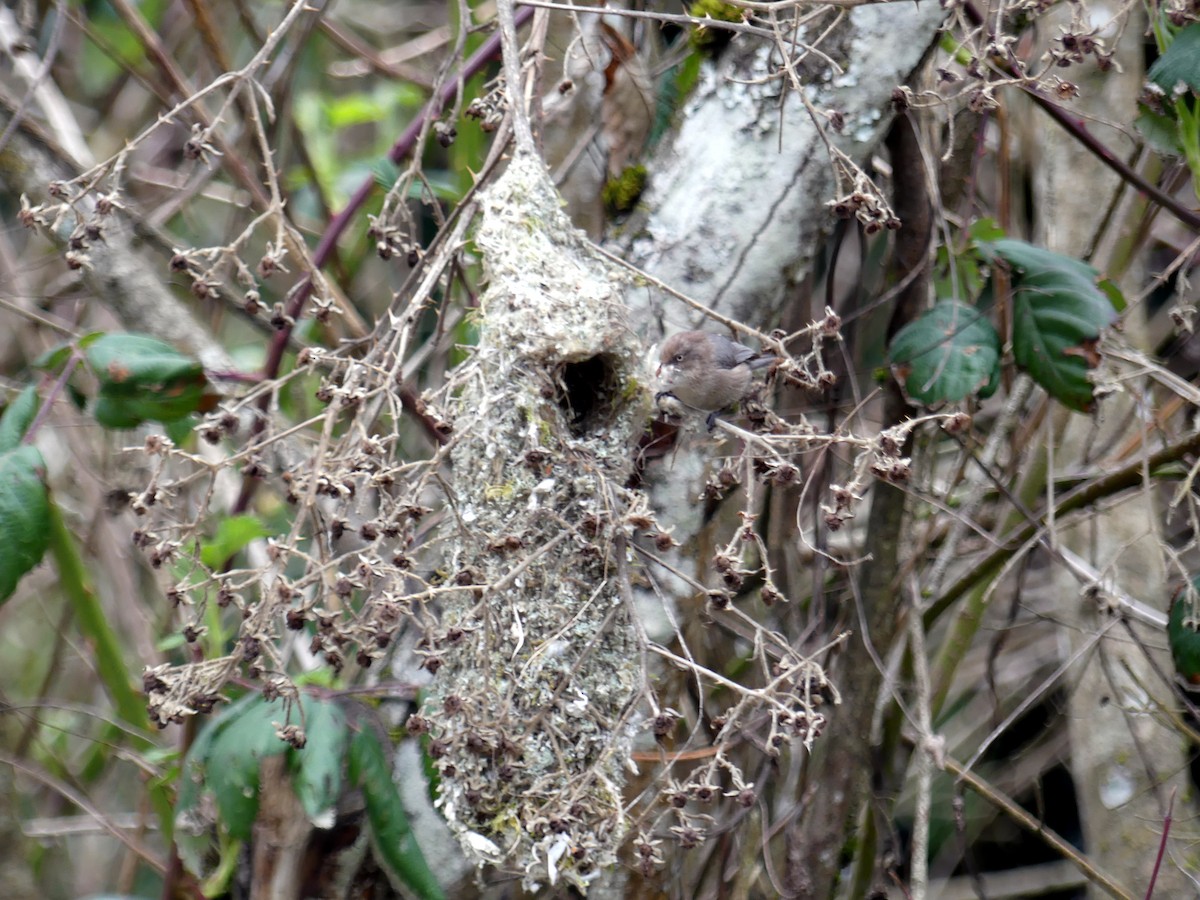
[[504, 560]]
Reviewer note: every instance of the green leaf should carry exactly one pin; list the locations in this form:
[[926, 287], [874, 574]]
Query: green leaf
[[224, 764], [24, 515], [688, 74], [1182, 624], [433, 775], [124, 411], [393, 836], [361, 108], [179, 430], [194, 818], [957, 274], [1161, 131], [144, 379], [17, 418], [116, 48], [77, 397], [317, 769], [1109, 288], [947, 354], [234, 533], [54, 358], [1059, 311], [137, 361], [1180, 63], [354, 109], [985, 229], [386, 173], [233, 762]]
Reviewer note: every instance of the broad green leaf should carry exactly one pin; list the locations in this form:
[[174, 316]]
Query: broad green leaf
[[144, 379], [179, 430], [137, 361], [1182, 624], [234, 759], [1027, 259], [233, 534], [124, 410], [17, 418], [24, 515], [112, 413], [363, 108], [393, 836], [1059, 311], [1180, 64], [1162, 132], [947, 354], [194, 832], [53, 359], [985, 229], [354, 109], [317, 769], [78, 398], [957, 274], [224, 764]]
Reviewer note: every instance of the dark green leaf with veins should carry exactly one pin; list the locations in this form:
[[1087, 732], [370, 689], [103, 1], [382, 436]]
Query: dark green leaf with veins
[[24, 515], [1060, 307], [948, 354]]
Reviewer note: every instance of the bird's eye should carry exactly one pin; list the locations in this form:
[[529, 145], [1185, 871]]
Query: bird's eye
[[678, 357]]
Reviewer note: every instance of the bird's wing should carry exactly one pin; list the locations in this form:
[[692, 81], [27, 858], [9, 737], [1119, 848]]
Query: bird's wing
[[730, 353]]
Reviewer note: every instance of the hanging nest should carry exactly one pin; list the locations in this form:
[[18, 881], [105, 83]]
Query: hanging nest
[[537, 660]]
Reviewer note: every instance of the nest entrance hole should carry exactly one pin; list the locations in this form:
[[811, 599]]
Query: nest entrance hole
[[585, 391]]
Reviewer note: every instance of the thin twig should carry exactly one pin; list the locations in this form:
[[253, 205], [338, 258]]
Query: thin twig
[[986, 790], [1162, 845], [324, 249], [150, 858], [928, 747]]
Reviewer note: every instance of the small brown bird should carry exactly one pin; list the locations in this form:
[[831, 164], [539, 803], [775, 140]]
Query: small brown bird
[[707, 372]]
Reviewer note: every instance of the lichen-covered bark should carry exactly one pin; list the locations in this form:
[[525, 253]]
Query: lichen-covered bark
[[737, 206], [738, 199], [537, 664]]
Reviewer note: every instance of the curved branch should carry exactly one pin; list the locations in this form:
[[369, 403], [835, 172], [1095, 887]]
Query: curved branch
[[1087, 494]]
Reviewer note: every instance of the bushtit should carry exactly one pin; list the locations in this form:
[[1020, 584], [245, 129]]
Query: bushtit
[[707, 372]]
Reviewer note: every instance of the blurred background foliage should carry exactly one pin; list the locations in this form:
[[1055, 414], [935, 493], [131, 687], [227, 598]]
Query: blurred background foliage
[[89, 790]]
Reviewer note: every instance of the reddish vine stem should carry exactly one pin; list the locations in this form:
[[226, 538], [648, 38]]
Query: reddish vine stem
[[59, 386], [1079, 130], [1162, 846]]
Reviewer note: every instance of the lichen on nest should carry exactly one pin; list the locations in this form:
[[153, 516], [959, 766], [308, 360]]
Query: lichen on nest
[[530, 715]]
